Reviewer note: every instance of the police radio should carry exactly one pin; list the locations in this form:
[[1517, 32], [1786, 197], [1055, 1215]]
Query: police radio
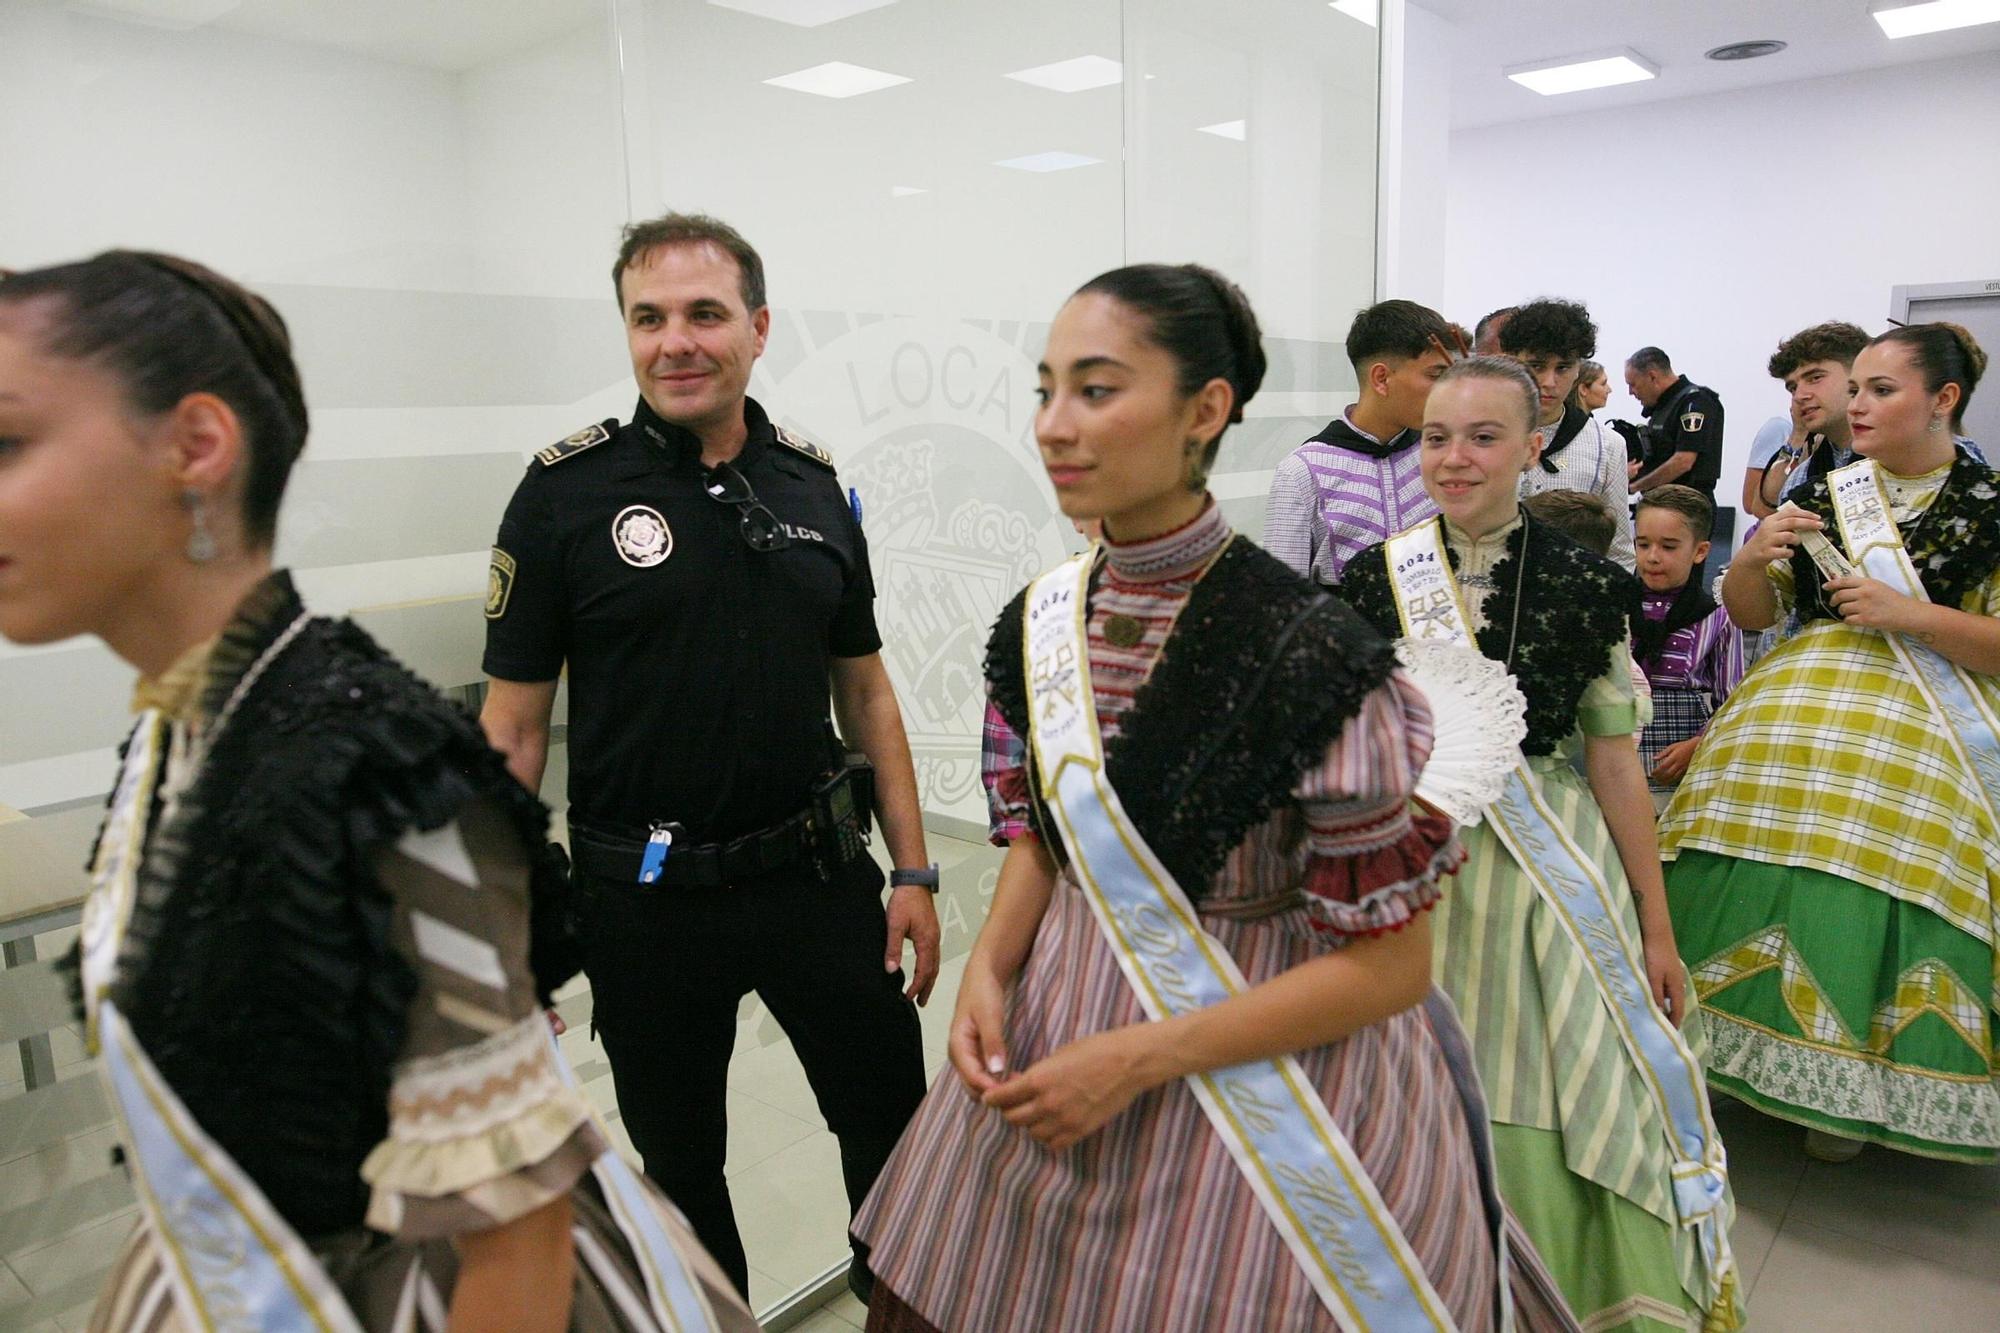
[[843, 806]]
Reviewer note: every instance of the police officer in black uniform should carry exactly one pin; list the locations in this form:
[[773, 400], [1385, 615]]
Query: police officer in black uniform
[[703, 577], [1683, 432]]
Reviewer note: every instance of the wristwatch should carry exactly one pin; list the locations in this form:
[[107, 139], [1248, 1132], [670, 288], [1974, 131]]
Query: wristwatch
[[928, 877]]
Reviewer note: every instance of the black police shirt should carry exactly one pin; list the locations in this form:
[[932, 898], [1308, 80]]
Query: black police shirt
[[1686, 419], [698, 682]]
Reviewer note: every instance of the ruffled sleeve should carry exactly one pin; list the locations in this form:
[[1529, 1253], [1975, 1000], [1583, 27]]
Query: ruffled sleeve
[[1003, 768], [1376, 855], [482, 1126]]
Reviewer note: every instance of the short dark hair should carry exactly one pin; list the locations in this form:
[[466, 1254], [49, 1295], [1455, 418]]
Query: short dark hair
[[1199, 318], [166, 327], [1396, 328], [1550, 326], [1578, 515], [1689, 503], [1506, 370], [1835, 341], [1648, 359], [1486, 320], [642, 238], [1947, 354]]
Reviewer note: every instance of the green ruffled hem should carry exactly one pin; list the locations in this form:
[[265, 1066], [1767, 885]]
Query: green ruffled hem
[[1619, 1267], [1841, 1008]]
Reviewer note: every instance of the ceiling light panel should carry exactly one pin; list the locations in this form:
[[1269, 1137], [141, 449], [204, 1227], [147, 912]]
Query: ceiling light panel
[[1935, 16], [837, 78], [1073, 76], [1049, 161], [1365, 10], [803, 13], [1229, 129], [1576, 74]]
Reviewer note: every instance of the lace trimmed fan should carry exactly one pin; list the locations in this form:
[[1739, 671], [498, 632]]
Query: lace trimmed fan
[[1479, 719]]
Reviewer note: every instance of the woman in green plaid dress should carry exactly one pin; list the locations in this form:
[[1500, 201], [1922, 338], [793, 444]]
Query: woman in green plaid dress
[[1834, 868]]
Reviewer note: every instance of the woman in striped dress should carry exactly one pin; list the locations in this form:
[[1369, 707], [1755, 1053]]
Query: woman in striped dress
[[1062, 1174], [1587, 1157], [320, 938], [1835, 866]]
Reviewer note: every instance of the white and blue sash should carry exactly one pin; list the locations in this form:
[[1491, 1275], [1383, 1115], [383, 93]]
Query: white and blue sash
[[234, 1262], [1576, 892], [1294, 1158], [1873, 542]]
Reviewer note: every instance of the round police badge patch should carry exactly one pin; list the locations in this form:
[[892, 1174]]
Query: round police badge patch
[[641, 536]]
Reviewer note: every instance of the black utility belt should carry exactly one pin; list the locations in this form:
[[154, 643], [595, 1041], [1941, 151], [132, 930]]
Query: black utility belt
[[710, 865]]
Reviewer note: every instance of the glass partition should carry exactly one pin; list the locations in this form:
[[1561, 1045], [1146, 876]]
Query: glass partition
[[432, 195]]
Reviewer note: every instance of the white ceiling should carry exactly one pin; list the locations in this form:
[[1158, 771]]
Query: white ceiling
[[1825, 36], [448, 35]]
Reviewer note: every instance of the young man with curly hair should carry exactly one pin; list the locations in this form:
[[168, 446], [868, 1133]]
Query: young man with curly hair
[[1553, 338]]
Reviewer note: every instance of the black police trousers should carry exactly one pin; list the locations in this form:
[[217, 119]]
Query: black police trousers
[[668, 968]]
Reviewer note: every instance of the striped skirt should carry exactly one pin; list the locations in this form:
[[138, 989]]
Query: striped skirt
[[1146, 1226], [1554, 1067], [402, 1287]]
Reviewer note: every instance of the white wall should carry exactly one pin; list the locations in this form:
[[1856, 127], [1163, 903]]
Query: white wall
[[1715, 227]]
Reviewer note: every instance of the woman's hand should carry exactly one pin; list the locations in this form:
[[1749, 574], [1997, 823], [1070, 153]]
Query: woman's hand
[[1671, 764], [978, 1044], [1070, 1094], [1776, 538], [1869, 603], [1666, 978]]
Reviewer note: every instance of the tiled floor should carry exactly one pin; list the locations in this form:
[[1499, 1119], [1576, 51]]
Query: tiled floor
[[1884, 1242]]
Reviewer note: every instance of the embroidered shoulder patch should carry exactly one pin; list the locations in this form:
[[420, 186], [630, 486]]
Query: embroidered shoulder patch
[[499, 584], [572, 445], [802, 445]]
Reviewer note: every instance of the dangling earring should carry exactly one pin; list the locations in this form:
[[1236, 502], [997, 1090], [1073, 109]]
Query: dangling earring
[[1937, 423], [201, 547]]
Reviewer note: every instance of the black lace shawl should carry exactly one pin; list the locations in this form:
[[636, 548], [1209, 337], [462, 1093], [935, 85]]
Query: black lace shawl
[[1575, 606], [1955, 545], [1261, 674], [258, 971]]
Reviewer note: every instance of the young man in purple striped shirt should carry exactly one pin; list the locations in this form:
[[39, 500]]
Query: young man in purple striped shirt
[[1356, 483]]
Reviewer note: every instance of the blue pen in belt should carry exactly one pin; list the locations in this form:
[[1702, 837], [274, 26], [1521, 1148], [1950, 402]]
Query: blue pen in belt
[[658, 843]]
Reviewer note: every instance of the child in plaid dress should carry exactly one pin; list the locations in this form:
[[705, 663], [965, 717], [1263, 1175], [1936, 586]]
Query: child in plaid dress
[[1691, 652]]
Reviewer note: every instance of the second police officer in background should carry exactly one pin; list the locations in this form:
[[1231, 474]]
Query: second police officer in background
[[1683, 431], [703, 579]]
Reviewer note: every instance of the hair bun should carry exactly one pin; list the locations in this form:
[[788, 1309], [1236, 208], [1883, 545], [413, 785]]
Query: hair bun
[[1245, 336], [1975, 355]]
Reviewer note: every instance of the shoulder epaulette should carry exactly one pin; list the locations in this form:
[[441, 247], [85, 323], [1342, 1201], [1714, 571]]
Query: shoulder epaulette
[[572, 445], [802, 445]]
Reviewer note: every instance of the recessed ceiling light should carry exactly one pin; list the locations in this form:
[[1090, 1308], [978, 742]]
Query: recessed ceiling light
[[1072, 76], [1365, 10], [905, 191], [1050, 161], [837, 78], [1574, 74], [1744, 50], [803, 13], [1913, 20], [1228, 129]]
